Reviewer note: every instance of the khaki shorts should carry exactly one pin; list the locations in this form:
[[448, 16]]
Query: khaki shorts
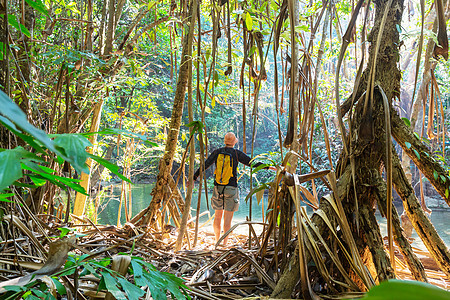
[[225, 198]]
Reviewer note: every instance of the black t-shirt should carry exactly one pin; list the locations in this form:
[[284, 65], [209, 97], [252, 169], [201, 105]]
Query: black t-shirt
[[237, 155]]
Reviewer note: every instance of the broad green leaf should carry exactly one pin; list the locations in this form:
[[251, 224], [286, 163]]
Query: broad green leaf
[[13, 22], [132, 291], [255, 190], [156, 286], [407, 122], [38, 181], [2, 50], [123, 132], [443, 178], [4, 196], [62, 182], [11, 111], [39, 6], [10, 169], [435, 175], [9, 125], [64, 231], [111, 286], [408, 145], [14, 288], [73, 7], [38, 293], [406, 290], [216, 76], [198, 125], [248, 21], [174, 289], [416, 153], [89, 269], [74, 146], [110, 166], [137, 270], [252, 50]]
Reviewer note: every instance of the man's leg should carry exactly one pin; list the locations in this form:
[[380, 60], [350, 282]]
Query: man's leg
[[227, 217], [217, 223]]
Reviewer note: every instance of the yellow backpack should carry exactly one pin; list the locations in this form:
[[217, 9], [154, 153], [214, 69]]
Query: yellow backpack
[[224, 168]]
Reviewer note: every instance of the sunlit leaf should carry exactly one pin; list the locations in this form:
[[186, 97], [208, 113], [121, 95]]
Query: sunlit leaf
[[59, 287], [248, 21], [39, 6], [408, 145], [410, 290], [13, 22], [74, 146], [10, 169], [11, 111], [407, 122], [111, 286], [110, 166]]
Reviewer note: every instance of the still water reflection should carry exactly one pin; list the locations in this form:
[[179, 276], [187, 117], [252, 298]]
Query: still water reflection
[[108, 210]]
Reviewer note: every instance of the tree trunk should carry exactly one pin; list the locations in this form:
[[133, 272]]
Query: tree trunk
[[4, 68], [367, 146], [80, 200], [421, 156], [190, 185], [4, 50], [420, 221], [165, 166]]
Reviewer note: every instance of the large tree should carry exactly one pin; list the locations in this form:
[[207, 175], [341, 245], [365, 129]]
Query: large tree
[[369, 165]]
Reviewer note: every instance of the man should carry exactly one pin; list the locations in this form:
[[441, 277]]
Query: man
[[225, 199]]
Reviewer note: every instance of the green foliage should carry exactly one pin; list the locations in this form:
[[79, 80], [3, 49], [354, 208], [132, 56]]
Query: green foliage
[[39, 6], [12, 20], [34, 290], [406, 290], [141, 274], [18, 162]]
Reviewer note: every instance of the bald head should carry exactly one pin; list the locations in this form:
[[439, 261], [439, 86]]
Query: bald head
[[230, 139]]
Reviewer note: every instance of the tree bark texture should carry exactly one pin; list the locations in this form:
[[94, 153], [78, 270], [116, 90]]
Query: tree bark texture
[[413, 262], [421, 156], [80, 199], [165, 166], [368, 138], [419, 220], [4, 68], [4, 49]]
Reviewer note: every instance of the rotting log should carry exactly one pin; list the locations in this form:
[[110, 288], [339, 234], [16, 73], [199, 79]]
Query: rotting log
[[421, 156]]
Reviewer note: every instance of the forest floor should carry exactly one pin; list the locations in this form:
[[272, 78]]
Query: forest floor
[[210, 272]]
